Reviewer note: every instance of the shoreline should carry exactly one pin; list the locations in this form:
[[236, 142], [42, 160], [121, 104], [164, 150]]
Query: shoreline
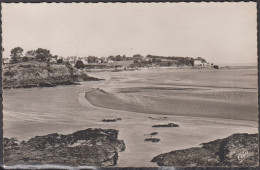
[[76, 79], [69, 111]]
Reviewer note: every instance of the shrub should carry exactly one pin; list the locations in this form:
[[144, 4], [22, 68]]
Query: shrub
[[79, 64], [59, 61], [9, 74], [25, 59]]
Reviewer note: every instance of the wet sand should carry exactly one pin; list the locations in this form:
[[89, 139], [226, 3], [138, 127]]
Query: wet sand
[[178, 105], [64, 109], [198, 93]]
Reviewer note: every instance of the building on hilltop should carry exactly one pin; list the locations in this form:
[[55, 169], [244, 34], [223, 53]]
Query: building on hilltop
[[104, 60], [6, 61], [129, 58], [168, 62], [98, 61], [109, 60], [53, 59], [59, 58], [197, 62], [84, 60], [71, 59]]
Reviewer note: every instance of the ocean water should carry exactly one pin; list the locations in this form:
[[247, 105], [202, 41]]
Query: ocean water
[[237, 64]]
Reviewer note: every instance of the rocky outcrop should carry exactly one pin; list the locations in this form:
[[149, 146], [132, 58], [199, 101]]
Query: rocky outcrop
[[236, 150], [153, 133], [111, 120], [91, 147], [36, 74], [167, 125], [153, 140], [47, 82]]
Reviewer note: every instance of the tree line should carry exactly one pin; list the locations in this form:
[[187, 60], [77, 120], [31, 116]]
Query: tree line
[[44, 55], [40, 54]]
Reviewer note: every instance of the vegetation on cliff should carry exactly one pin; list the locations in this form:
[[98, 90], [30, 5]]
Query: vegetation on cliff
[[179, 61], [40, 74]]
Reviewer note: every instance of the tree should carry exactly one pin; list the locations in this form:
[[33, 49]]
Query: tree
[[156, 60], [30, 53], [16, 54], [118, 58], [112, 58], [25, 59], [92, 59], [79, 64], [124, 58], [137, 56], [202, 59], [59, 61], [42, 54]]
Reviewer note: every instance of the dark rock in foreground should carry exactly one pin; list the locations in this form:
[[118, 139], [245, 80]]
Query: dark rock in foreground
[[154, 140], [92, 147], [167, 125], [236, 150]]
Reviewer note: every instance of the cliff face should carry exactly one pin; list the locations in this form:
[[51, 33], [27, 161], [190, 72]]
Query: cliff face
[[37, 74], [90, 147], [236, 150]]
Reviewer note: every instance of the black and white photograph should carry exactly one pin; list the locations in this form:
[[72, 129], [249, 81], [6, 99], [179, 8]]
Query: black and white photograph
[[130, 84]]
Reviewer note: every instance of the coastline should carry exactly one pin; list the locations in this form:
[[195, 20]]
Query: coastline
[[73, 112]]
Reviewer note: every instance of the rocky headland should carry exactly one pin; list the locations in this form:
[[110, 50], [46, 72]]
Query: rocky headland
[[90, 147], [38, 74], [237, 150]]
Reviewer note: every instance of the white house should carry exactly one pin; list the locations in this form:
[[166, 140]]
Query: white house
[[72, 58], [147, 59], [98, 61], [103, 59], [6, 60], [198, 62], [72, 62], [85, 60], [59, 57], [110, 60], [53, 60]]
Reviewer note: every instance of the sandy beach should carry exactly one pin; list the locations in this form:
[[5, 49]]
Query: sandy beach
[[206, 104]]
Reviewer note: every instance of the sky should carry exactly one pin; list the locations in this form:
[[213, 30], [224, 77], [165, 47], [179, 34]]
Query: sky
[[219, 32]]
